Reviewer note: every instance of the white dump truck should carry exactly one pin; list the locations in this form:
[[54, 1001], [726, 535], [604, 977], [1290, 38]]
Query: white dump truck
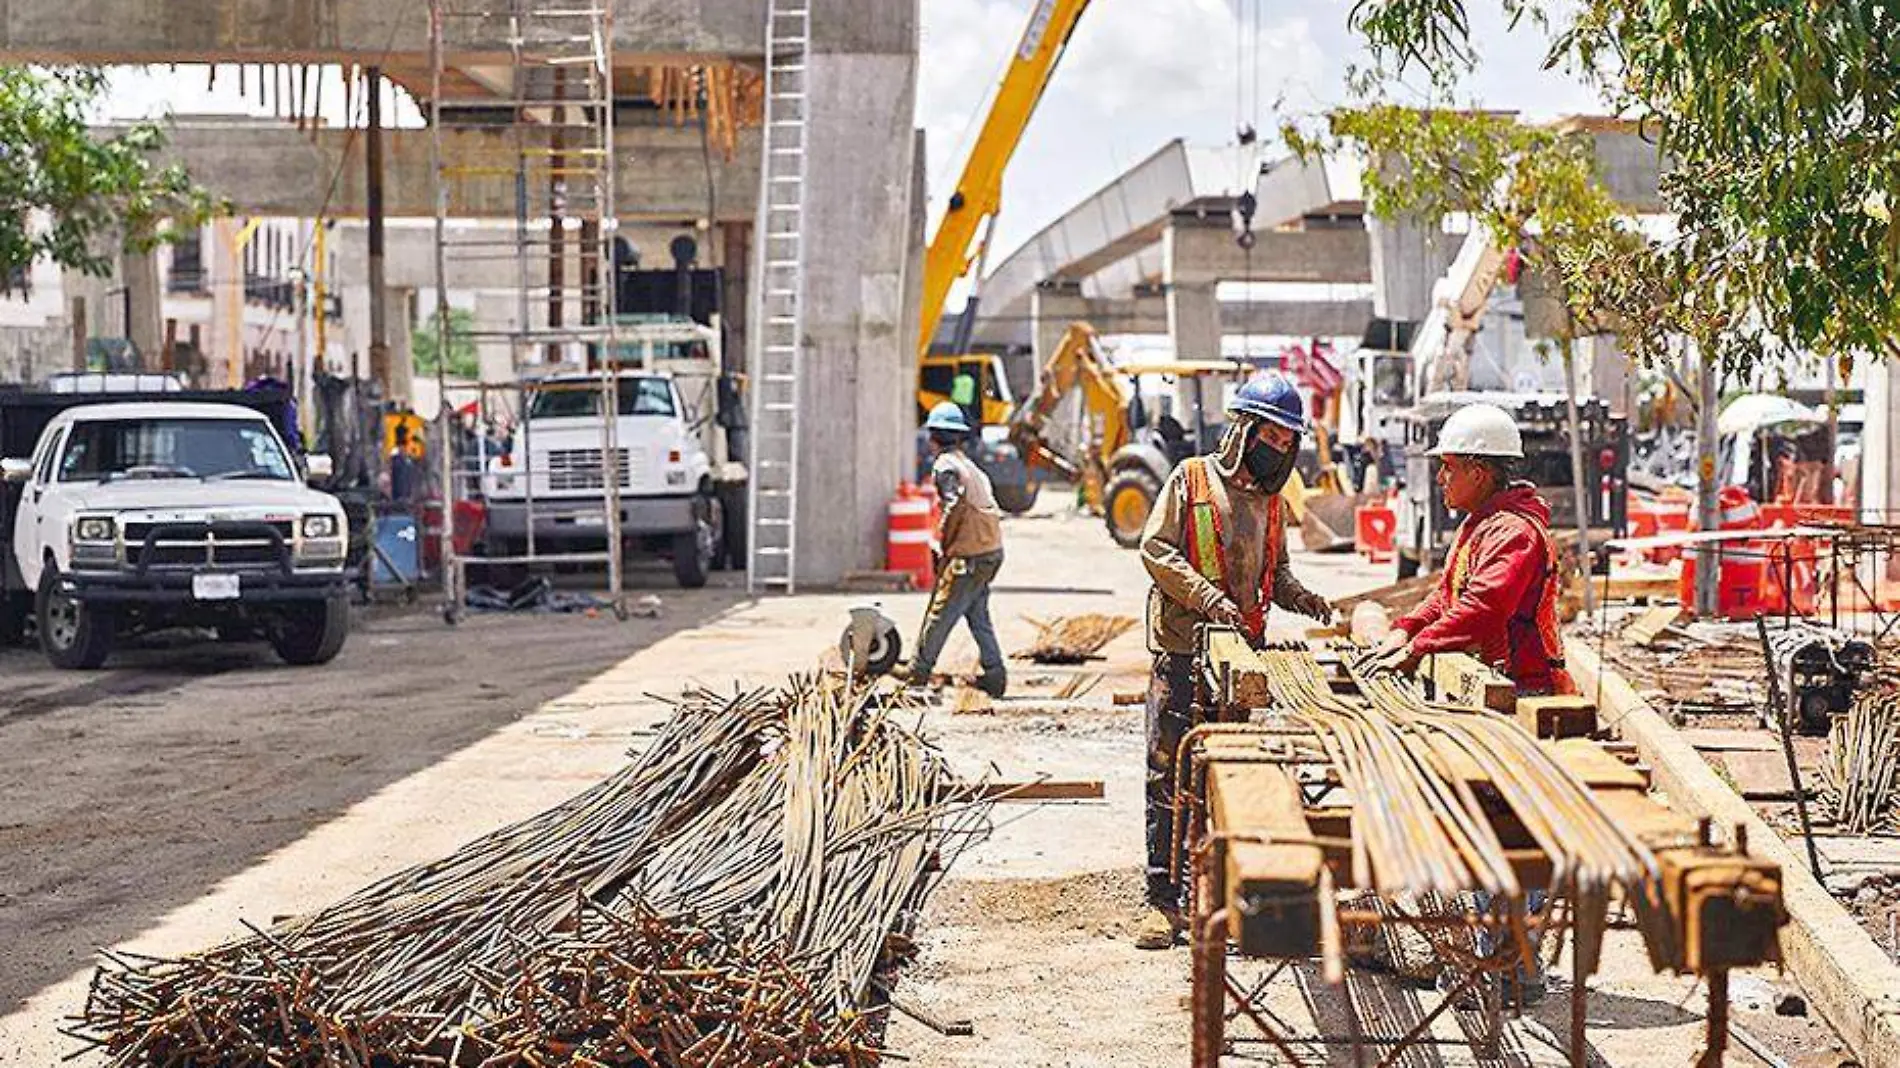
[[143, 515], [682, 488]]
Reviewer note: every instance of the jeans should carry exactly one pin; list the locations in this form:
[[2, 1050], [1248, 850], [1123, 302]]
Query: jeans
[[1170, 717], [1535, 902], [963, 593]]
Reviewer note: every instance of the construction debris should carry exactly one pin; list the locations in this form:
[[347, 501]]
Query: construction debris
[[1074, 639], [729, 898]]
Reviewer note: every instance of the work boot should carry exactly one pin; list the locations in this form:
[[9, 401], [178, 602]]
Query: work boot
[[994, 683], [1160, 929]]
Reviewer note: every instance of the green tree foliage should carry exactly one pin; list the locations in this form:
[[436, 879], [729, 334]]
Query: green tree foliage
[[1779, 122], [67, 194], [463, 360]]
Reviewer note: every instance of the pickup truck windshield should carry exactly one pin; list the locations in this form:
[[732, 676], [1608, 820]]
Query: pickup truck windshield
[[111, 449], [638, 396]]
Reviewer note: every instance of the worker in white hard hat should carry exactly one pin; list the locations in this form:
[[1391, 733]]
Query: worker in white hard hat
[[1497, 598]]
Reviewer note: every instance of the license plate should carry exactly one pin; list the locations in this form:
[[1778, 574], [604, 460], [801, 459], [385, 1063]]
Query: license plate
[[214, 587]]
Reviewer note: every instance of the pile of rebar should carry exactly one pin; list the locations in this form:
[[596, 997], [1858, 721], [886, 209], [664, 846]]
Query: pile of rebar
[[1860, 777], [1074, 639], [725, 899]]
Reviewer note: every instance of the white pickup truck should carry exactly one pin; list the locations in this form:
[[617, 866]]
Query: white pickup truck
[[137, 516]]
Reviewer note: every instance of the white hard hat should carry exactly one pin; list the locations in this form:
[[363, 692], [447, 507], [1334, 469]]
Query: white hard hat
[[1480, 430]]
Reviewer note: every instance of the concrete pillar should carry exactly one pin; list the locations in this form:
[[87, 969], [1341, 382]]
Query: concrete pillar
[[1607, 372], [495, 315], [400, 313], [1408, 258], [1194, 326], [856, 441], [144, 325], [1051, 310]]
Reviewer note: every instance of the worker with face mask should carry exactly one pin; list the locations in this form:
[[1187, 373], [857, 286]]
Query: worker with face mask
[[1215, 548], [1497, 597]]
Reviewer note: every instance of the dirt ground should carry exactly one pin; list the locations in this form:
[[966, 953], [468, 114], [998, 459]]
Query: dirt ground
[[158, 804]]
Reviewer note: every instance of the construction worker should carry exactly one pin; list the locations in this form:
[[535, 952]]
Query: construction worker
[[969, 550], [1497, 599], [1215, 547]]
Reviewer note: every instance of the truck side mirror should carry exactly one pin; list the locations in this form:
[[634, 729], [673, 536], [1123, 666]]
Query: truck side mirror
[[12, 470], [319, 467]]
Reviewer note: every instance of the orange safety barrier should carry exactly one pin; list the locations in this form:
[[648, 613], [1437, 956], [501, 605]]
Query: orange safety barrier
[[1374, 527], [911, 519]]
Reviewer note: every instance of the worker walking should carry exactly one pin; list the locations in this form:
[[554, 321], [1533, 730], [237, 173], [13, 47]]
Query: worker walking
[[1215, 547], [970, 553], [1497, 598]]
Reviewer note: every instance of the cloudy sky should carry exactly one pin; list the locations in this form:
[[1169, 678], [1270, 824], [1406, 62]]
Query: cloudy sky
[[1141, 72]]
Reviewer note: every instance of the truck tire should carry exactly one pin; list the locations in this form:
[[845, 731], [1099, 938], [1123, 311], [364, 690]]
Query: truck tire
[[1016, 498], [73, 636], [308, 635], [732, 553], [1127, 501], [693, 552]]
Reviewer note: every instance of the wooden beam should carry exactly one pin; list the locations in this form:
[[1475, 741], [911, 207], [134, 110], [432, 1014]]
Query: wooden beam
[[1270, 872], [1465, 680]]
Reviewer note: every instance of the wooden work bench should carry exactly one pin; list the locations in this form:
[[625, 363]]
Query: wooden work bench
[[1269, 834]]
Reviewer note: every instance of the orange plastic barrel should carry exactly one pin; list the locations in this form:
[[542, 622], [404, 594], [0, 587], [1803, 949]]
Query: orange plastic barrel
[[907, 541]]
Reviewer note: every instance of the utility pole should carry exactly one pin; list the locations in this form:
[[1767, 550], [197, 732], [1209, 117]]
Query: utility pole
[[373, 201], [1707, 580]]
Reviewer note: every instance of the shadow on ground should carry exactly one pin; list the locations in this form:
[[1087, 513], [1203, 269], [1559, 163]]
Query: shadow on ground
[[129, 792]]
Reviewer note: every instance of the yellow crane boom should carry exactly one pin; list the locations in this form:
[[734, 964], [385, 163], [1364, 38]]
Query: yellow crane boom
[[979, 193]]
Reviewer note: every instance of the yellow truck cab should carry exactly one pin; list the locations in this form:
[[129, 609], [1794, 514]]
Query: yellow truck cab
[[937, 377]]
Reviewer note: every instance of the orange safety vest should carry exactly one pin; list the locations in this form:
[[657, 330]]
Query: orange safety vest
[[1207, 551], [1539, 625]]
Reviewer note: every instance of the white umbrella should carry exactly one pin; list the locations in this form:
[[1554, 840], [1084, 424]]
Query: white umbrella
[[1757, 411]]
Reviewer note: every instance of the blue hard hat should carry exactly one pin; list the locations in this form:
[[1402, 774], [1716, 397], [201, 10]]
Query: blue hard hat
[[948, 418], [1272, 398]]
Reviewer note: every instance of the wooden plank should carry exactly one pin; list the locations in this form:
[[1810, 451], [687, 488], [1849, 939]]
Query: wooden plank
[[1595, 768], [1269, 880], [1557, 716], [1232, 658], [1651, 624], [1462, 679], [1041, 790], [1720, 909]]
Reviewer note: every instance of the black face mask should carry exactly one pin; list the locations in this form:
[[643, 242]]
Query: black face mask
[[1271, 469]]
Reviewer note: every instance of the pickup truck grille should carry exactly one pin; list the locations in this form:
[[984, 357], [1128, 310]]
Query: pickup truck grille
[[175, 546], [579, 469]]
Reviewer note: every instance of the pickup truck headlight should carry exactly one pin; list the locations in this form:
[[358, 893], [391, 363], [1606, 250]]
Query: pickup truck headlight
[[95, 528], [319, 526]]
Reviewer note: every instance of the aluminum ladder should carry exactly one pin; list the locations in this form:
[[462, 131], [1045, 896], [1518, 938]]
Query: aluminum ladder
[[778, 302]]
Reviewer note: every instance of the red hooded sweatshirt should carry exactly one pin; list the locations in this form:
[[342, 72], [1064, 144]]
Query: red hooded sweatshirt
[[1497, 599]]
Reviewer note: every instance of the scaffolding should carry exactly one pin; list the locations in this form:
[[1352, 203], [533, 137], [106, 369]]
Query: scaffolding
[[554, 127]]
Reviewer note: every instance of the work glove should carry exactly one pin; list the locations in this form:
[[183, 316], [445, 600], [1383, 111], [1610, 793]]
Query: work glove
[[1226, 613], [1313, 606], [1394, 656]]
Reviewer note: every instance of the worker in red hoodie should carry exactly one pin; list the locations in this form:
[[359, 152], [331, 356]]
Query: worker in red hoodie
[[1497, 599]]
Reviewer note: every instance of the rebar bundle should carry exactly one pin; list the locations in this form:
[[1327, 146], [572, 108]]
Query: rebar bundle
[[1074, 639], [1861, 774], [724, 900], [1419, 828]]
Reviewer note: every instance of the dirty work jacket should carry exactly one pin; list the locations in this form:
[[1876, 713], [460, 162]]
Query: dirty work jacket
[[1497, 597], [1181, 596], [972, 523]]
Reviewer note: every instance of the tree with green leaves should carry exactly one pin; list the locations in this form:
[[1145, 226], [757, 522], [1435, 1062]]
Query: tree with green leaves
[[463, 360], [75, 198], [1781, 123]]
